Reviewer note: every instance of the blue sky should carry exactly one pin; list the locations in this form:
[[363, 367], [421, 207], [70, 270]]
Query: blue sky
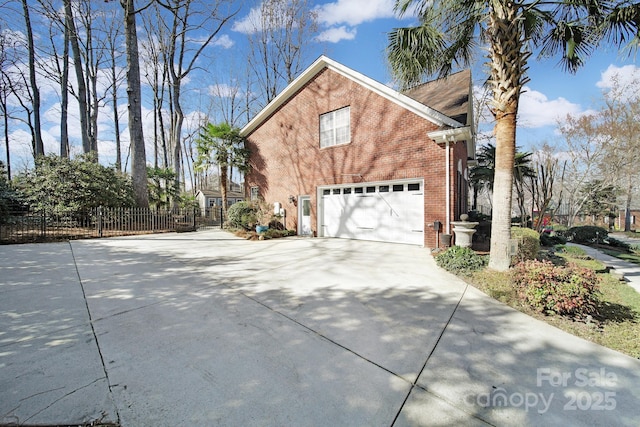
[[354, 33], [550, 95]]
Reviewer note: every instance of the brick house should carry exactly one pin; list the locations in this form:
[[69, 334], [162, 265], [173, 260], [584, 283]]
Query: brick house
[[634, 217], [346, 156]]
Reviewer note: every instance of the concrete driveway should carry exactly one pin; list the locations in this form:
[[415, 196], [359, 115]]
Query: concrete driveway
[[207, 329]]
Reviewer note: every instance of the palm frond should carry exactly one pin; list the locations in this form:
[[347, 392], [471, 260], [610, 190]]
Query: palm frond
[[622, 25]]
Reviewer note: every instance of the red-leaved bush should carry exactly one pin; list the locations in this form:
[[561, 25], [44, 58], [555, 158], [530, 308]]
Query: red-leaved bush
[[565, 290]]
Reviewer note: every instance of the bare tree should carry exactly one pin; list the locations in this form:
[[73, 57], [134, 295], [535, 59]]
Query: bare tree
[[584, 154], [81, 95], [64, 97], [620, 130], [542, 183], [186, 18], [112, 45], [57, 69], [278, 41], [38, 146], [156, 73], [6, 50], [95, 24], [136, 135]]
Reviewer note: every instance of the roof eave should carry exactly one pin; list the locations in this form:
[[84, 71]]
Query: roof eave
[[385, 91], [451, 135]]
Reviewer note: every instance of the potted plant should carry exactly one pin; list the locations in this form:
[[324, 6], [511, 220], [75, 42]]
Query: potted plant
[[264, 215]]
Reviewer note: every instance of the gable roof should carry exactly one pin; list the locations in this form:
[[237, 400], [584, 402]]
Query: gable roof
[[323, 62], [449, 95], [207, 192]]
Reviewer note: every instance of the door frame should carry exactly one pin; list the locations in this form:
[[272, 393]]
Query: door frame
[[301, 200]]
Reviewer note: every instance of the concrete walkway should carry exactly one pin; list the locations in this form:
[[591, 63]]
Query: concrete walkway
[[207, 329], [628, 270]]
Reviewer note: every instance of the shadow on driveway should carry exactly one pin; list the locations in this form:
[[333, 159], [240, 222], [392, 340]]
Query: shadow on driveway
[[205, 329]]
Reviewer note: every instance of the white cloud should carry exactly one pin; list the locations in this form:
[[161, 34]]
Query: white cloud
[[624, 75], [338, 18], [536, 110], [223, 90], [334, 35], [354, 12], [224, 41], [250, 24]]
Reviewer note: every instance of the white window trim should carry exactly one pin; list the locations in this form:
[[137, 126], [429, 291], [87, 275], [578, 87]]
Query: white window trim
[[253, 197], [334, 134]]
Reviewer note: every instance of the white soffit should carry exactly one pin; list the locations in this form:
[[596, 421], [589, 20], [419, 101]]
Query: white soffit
[[451, 135]]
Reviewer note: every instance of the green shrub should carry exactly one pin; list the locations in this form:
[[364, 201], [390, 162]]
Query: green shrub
[[615, 243], [552, 239], [66, 186], [565, 290], [586, 234], [273, 233], [529, 244], [559, 228], [460, 260], [242, 215]]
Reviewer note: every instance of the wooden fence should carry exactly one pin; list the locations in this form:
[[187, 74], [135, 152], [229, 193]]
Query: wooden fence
[[42, 226]]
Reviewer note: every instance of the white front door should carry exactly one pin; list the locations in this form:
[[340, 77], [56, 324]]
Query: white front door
[[304, 213]]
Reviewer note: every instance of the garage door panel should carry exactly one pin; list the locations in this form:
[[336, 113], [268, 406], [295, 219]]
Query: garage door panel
[[390, 216]]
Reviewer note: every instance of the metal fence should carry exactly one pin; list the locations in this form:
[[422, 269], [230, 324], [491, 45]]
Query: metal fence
[[42, 226]]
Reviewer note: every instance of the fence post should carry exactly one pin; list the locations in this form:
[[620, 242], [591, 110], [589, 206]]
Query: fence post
[[43, 226], [100, 221]]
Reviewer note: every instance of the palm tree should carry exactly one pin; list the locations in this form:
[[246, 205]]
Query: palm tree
[[449, 32], [482, 176], [222, 145]]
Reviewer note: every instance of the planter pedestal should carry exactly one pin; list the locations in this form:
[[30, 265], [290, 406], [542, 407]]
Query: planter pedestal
[[464, 231]]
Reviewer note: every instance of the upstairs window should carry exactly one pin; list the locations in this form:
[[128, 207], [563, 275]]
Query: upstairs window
[[335, 128]]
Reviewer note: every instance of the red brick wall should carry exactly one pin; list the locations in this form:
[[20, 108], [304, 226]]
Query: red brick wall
[[387, 143]]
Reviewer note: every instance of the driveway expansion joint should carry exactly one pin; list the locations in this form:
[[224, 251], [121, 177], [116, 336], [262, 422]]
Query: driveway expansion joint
[[95, 337]]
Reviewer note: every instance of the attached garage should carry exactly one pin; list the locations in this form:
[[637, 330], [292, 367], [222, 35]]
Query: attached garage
[[348, 157], [386, 212]]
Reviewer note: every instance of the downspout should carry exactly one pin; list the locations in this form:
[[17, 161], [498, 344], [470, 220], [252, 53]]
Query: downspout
[[448, 188], [447, 137]]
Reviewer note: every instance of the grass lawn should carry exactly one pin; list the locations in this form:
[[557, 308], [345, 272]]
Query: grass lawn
[[626, 256], [617, 324]]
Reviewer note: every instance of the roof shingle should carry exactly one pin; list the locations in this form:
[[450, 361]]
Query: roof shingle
[[449, 95]]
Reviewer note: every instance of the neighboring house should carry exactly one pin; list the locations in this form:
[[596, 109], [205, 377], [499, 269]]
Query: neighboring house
[[213, 198], [635, 219], [346, 156]]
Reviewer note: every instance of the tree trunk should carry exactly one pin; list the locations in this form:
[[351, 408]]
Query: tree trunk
[[5, 119], [627, 205], [77, 64], [223, 189], [64, 98], [37, 132], [502, 193], [136, 136], [508, 65], [116, 119]]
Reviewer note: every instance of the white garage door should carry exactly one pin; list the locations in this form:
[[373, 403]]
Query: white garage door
[[387, 212]]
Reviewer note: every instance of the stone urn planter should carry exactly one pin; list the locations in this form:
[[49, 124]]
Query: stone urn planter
[[464, 230]]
